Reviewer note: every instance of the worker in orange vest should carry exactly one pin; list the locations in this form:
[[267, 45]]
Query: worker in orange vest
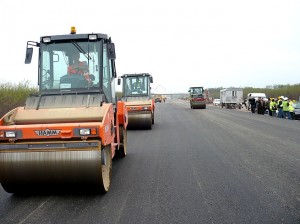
[[79, 67]]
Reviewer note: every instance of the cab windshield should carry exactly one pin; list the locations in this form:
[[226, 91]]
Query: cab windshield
[[136, 86], [70, 66], [197, 91]]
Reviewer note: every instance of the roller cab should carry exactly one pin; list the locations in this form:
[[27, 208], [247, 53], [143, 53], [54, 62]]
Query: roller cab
[[66, 135], [136, 95]]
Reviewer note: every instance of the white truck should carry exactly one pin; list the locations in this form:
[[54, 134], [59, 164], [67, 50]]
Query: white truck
[[231, 98]]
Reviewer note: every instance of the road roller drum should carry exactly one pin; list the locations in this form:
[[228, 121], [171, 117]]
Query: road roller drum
[[140, 120], [70, 164]]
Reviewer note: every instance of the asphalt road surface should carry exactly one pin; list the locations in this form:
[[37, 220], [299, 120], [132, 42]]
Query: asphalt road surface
[[195, 166]]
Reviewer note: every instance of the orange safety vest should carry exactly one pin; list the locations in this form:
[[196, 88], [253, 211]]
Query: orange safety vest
[[73, 70]]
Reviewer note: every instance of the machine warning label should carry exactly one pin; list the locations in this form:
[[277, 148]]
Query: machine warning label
[[47, 132]]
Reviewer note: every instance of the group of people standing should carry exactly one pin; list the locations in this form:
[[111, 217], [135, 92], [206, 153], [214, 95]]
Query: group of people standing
[[282, 107]]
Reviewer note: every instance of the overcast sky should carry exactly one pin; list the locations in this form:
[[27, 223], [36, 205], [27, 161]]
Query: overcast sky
[[209, 43]]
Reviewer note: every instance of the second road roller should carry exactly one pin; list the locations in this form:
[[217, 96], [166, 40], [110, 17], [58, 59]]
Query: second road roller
[[66, 135], [136, 95]]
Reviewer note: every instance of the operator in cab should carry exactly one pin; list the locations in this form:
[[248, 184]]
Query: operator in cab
[[137, 85], [79, 67]]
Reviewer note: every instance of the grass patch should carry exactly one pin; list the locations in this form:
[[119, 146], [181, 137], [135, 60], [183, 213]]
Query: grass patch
[[14, 95]]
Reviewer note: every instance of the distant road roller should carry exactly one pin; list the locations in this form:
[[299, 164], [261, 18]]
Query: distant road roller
[[66, 136], [197, 97], [136, 95]]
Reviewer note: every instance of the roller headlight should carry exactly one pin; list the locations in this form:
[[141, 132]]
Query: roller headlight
[[88, 131], [10, 134], [85, 131], [46, 39], [93, 37]]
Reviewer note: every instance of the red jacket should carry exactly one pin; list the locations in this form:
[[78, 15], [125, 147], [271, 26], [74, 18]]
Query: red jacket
[[72, 69]]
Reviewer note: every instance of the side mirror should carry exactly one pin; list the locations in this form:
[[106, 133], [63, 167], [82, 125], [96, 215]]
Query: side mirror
[[119, 81], [111, 54], [29, 51], [28, 57], [151, 79]]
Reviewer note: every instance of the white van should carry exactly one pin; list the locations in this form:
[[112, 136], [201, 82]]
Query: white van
[[255, 96], [216, 102]]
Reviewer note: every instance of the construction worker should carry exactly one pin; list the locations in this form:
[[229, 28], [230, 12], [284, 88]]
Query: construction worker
[[260, 106], [285, 108], [252, 104], [279, 107], [267, 106], [137, 85], [79, 67], [272, 107], [292, 109]]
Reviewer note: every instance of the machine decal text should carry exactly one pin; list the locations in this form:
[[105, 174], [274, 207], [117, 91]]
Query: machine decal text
[[47, 132]]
